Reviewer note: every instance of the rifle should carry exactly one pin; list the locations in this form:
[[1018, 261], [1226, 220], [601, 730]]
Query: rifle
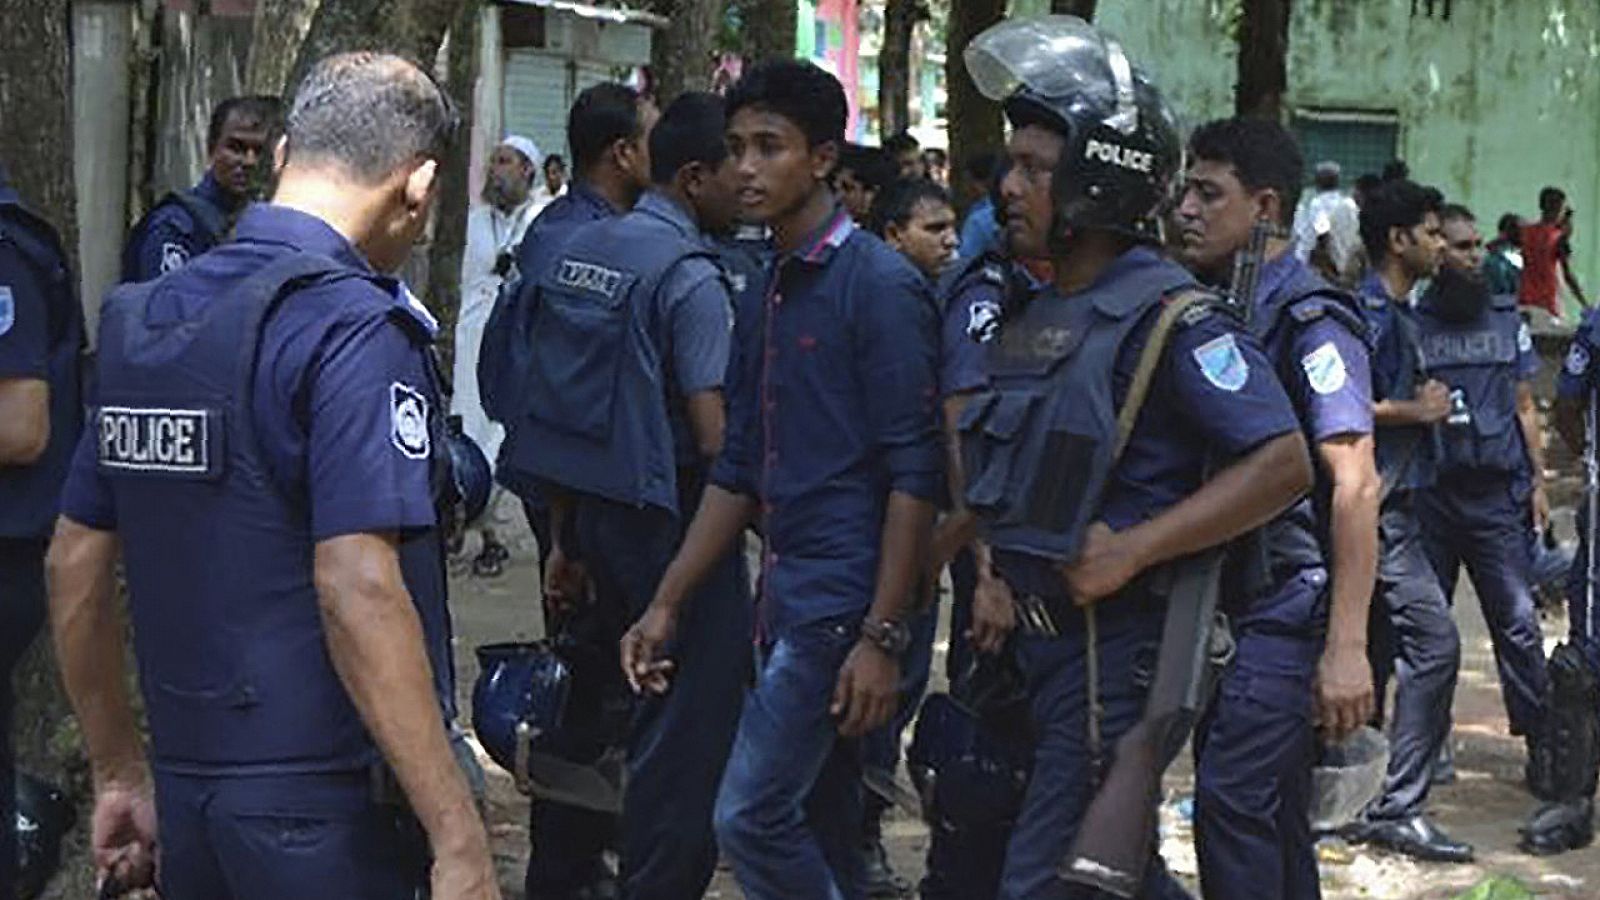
[[1591, 504], [1113, 845]]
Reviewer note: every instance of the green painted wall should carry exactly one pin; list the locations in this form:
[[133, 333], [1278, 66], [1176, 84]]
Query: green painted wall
[[1493, 104]]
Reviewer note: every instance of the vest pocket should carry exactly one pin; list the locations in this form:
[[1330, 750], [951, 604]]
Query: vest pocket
[[990, 431], [577, 356]]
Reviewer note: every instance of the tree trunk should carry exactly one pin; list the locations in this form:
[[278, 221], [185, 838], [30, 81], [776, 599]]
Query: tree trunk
[[1083, 9], [975, 121], [894, 66], [770, 27], [681, 54], [278, 29], [450, 225], [411, 28], [1263, 59]]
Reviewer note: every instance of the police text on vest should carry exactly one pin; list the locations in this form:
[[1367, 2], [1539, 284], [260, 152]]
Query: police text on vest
[[154, 440]]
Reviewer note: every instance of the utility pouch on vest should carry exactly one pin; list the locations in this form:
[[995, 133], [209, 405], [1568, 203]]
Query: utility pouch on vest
[[1113, 845]]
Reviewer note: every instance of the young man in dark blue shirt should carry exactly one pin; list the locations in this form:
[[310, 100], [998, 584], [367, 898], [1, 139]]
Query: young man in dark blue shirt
[[833, 452]]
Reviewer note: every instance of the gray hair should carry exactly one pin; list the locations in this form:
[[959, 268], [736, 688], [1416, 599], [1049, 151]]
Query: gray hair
[[369, 114]]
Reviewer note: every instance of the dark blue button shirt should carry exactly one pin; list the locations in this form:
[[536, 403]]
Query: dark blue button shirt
[[1580, 373], [1407, 454], [832, 395], [323, 392], [1327, 370], [540, 245], [170, 236]]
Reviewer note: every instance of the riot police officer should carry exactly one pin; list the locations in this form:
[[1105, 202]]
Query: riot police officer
[[833, 448], [1298, 597], [1490, 491], [41, 336], [623, 463], [268, 452], [185, 224], [609, 130], [1412, 624], [1082, 531]]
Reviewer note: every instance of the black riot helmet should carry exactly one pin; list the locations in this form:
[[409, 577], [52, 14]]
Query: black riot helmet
[[1122, 148]]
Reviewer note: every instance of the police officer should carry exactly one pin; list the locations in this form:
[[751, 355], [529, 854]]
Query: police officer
[[833, 450], [41, 336], [623, 463], [1298, 598], [1490, 491], [1412, 622], [609, 130], [1080, 533], [279, 536], [185, 224]]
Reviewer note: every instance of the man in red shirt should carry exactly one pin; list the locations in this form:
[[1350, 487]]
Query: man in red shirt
[[1545, 245]]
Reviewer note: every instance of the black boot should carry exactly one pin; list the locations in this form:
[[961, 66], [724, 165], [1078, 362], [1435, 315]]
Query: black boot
[[1558, 827]]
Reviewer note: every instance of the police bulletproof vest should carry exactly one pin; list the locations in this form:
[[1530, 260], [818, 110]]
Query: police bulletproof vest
[[1402, 451], [219, 556], [30, 495], [1038, 446], [1298, 538], [597, 388], [210, 225], [1478, 361]]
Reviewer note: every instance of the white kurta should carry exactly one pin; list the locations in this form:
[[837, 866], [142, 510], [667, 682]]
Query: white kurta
[[490, 232]]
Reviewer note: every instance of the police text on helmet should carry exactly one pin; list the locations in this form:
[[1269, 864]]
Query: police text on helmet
[[1118, 155]]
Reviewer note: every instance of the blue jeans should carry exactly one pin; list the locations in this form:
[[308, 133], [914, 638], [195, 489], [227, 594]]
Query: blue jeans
[[789, 813]]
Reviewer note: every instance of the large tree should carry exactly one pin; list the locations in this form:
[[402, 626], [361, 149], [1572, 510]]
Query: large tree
[[1263, 75], [411, 28], [769, 28], [276, 32], [894, 66], [681, 54], [975, 121], [450, 225]]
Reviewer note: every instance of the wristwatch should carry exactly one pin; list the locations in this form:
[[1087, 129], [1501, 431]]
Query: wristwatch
[[887, 635]]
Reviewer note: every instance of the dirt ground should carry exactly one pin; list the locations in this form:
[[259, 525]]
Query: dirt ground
[[1484, 806]]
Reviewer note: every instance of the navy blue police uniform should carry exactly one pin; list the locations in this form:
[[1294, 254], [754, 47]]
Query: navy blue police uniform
[[1412, 628], [1038, 451], [831, 392], [41, 338], [569, 842], [746, 257], [1478, 513], [181, 226], [1254, 749], [621, 341], [221, 463], [1578, 382]]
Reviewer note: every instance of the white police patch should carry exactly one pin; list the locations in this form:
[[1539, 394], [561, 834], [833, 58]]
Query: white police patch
[[983, 320], [1222, 364], [408, 421], [1325, 369], [1577, 359], [1524, 338], [173, 257], [155, 440], [8, 309]]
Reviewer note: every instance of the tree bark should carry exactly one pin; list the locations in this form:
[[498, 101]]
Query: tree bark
[[975, 121], [412, 28], [278, 29], [450, 225], [1083, 9], [894, 66], [681, 55], [770, 27], [1263, 59]]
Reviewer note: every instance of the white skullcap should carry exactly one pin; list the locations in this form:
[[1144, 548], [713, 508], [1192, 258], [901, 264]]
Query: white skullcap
[[522, 145]]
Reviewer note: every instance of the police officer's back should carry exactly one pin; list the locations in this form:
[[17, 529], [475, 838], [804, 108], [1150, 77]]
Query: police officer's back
[[184, 224], [267, 452], [41, 334]]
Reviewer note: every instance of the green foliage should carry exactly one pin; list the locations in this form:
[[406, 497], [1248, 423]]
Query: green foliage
[[1498, 887]]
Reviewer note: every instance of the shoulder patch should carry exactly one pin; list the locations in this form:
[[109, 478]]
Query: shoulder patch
[[1196, 313], [8, 309], [1577, 359], [1325, 369], [174, 256], [1308, 310], [1222, 363], [1524, 338], [408, 421], [984, 316]]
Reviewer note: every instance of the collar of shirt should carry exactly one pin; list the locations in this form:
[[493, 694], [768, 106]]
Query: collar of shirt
[[1374, 292], [581, 192], [266, 223], [822, 243], [1275, 273], [661, 206]]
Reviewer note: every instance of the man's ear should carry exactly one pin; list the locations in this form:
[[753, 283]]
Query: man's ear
[[420, 185], [824, 157], [1269, 205], [280, 156]]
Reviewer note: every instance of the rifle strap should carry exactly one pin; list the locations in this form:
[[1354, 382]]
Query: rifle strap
[[1155, 346]]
